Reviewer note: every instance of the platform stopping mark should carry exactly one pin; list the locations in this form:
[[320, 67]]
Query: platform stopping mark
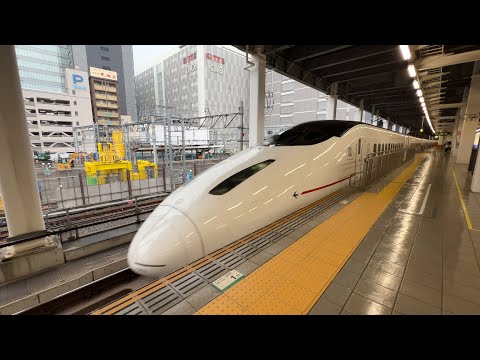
[[228, 280]]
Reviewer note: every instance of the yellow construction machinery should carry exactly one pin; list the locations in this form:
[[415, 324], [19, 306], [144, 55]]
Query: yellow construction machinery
[[112, 166], [69, 163]]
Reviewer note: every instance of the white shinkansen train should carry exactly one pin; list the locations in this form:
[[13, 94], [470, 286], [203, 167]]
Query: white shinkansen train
[[254, 188]]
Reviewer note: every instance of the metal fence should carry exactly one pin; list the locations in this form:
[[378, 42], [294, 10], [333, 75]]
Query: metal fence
[[71, 188], [73, 223], [376, 165]]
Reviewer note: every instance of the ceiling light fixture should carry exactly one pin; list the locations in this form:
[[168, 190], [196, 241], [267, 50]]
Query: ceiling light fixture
[[405, 52], [411, 70]]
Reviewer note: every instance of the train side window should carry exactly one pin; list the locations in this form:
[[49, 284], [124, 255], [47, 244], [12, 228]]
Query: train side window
[[234, 180], [359, 145], [374, 148]]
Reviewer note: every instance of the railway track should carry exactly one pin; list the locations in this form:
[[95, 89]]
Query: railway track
[[81, 218], [83, 300]]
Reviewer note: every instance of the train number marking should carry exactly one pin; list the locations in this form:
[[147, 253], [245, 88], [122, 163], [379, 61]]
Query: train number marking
[[228, 280]]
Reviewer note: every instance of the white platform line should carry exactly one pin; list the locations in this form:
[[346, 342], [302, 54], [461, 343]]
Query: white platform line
[[425, 200], [423, 204]]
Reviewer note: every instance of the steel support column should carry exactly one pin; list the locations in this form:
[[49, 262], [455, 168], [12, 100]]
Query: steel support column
[[18, 182], [332, 103], [359, 113], [257, 101], [470, 120]]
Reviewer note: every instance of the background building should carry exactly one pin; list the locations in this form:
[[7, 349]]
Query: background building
[[51, 116], [200, 80], [289, 102], [52, 106], [196, 80], [104, 95], [149, 90], [42, 67], [118, 58]]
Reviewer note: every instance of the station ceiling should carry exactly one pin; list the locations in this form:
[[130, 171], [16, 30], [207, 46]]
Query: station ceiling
[[377, 74]]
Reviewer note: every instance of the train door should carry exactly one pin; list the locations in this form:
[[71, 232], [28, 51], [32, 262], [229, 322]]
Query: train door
[[358, 158]]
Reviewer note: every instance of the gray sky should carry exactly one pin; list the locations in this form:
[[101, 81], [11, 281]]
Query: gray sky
[[146, 55]]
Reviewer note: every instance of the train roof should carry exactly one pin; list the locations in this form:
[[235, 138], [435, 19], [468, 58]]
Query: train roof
[[314, 132]]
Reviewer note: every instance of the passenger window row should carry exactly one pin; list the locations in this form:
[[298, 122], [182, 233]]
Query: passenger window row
[[385, 147]]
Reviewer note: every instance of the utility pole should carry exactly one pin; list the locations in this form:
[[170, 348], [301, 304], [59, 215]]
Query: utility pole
[[154, 136], [240, 110]]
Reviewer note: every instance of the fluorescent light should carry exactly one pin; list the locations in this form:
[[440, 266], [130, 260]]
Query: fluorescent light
[[419, 93], [415, 84], [422, 100], [411, 70], [405, 52]]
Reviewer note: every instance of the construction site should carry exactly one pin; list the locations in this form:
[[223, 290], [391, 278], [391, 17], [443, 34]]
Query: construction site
[[158, 153]]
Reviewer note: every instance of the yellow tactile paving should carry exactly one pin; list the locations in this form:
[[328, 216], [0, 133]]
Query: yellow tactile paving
[[277, 265], [293, 294], [307, 279], [299, 274], [328, 256], [318, 267], [222, 305], [270, 305], [253, 289]]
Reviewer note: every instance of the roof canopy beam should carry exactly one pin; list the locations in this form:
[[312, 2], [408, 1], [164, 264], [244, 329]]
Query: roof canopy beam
[[437, 61], [363, 68], [447, 106], [347, 56], [300, 53]]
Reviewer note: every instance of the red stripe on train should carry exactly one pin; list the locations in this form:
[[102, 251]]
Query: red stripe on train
[[323, 187]]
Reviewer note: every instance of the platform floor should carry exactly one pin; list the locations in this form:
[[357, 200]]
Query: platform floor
[[419, 257]]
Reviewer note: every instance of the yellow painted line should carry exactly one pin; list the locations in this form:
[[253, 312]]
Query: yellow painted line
[[465, 211], [293, 280]]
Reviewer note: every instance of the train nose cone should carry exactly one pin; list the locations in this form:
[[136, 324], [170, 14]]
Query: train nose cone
[[165, 242]]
